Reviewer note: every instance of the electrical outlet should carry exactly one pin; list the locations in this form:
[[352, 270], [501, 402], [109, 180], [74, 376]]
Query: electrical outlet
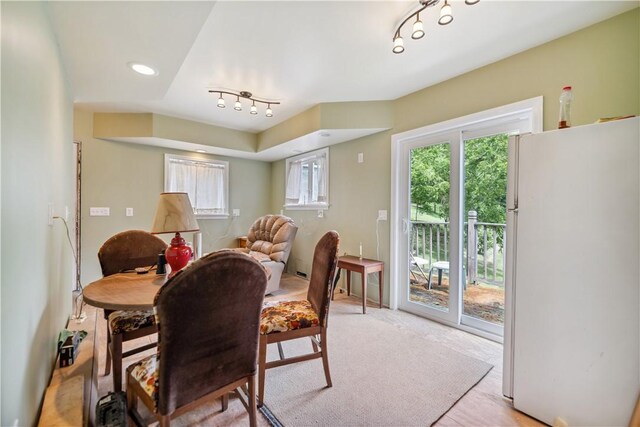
[[66, 213], [320, 213], [382, 215], [236, 212], [129, 211], [99, 211]]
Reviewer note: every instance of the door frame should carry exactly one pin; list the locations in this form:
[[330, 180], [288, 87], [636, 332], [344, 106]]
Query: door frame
[[529, 110]]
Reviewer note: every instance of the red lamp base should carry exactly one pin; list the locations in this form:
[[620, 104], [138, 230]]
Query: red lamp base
[[178, 254]]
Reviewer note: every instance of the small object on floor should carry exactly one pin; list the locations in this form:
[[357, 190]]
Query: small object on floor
[[111, 410], [68, 342]]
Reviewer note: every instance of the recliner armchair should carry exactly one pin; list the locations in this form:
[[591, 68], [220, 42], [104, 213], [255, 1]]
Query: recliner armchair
[[269, 241]]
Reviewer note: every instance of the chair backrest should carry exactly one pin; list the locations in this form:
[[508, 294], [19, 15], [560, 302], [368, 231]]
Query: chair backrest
[[128, 250], [208, 319], [325, 260], [272, 235]]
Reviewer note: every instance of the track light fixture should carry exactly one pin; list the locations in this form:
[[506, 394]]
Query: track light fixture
[[245, 95], [446, 16]]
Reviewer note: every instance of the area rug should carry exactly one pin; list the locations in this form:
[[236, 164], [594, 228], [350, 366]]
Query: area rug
[[382, 376]]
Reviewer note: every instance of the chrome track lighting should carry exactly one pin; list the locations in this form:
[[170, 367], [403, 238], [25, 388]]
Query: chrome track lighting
[[446, 16], [244, 95]]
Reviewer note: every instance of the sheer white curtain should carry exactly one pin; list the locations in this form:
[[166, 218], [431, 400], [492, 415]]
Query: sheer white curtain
[[211, 191], [322, 178], [308, 179], [182, 178], [294, 180]]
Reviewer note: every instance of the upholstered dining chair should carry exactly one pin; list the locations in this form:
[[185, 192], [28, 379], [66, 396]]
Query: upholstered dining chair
[[208, 319], [290, 320], [125, 251]]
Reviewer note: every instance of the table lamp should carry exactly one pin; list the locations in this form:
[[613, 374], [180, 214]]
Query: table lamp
[[174, 214]]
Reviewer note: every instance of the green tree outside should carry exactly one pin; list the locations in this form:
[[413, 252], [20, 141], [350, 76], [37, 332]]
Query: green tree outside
[[485, 171]]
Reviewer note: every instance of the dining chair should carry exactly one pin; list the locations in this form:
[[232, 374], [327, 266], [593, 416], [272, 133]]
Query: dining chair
[[288, 320], [125, 251], [208, 319]]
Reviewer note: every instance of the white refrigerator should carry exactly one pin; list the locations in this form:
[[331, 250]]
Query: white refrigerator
[[572, 326]]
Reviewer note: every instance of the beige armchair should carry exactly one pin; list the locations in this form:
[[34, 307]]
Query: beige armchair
[[269, 241]]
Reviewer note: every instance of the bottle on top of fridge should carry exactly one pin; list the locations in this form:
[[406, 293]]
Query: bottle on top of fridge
[[565, 108]]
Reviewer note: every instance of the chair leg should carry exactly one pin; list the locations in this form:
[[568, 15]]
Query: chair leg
[[429, 278], [107, 363], [262, 360], [280, 351], [165, 421], [325, 357], [314, 345], [225, 402], [253, 416], [132, 400], [116, 356]]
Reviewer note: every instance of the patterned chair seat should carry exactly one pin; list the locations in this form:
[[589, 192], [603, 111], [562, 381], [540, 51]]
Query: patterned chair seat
[[287, 316], [146, 373], [125, 321]]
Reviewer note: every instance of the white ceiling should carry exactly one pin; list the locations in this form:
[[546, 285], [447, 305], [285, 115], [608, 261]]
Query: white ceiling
[[298, 52]]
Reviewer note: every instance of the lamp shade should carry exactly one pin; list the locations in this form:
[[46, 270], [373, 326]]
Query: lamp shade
[[174, 214]]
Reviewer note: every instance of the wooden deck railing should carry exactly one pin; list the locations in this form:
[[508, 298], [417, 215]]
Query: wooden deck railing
[[484, 252]]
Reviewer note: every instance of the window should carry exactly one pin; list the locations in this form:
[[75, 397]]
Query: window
[[307, 181], [205, 181]]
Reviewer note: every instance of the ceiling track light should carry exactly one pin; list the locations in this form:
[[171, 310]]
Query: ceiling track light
[[244, 95], [446, 16]]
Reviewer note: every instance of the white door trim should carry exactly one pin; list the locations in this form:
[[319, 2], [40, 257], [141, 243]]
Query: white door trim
[[529, 108]]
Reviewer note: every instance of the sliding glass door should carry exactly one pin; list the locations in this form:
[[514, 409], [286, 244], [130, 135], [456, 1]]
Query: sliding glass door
[[430, 227], [449, 233]]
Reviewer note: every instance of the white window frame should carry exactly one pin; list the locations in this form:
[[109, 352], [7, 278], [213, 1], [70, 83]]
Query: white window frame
[[323, 152], [168, 157]]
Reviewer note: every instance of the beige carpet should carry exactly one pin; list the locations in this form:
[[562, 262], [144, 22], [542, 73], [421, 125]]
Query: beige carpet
[[382, 375]]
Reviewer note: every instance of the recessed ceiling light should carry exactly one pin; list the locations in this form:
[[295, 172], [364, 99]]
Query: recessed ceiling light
[[200, 151], [143, 69]]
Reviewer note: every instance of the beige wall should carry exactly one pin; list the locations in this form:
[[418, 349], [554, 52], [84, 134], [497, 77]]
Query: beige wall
[[121, 175], [600, 62], [37, 168]]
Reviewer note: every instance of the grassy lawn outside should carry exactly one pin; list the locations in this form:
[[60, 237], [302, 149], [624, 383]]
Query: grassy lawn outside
[[417, 215]]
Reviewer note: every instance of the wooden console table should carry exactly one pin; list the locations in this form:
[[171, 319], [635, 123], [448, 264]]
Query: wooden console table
[[363, 266]]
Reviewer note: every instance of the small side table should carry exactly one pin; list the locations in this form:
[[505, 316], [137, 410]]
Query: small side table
[[242, 241], [363, 266]]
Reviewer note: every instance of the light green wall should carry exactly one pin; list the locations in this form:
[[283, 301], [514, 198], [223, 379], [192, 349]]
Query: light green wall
[[37, 168], [600, 62], [121, 175], [330, 115]]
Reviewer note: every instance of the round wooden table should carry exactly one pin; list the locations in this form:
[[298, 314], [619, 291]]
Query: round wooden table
[[124, 291]]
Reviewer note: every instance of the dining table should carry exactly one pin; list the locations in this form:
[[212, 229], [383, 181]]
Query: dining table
[[124, 291]]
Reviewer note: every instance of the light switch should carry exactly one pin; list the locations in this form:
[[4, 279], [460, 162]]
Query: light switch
[[360, 157], [129, 211], [103, 211]]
